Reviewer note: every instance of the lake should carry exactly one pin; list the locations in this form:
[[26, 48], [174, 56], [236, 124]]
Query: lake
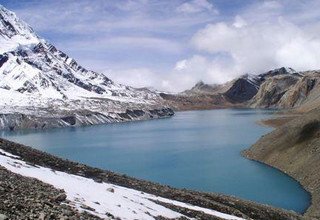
[[195, 150]]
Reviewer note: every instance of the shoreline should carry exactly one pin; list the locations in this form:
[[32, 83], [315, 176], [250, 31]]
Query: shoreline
[[293, 151], [303, 186], [278, 121], [21, 121], [226, 204], [243, 153]]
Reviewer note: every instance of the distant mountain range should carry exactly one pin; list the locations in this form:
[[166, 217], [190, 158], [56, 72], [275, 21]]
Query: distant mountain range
[[279, 88]]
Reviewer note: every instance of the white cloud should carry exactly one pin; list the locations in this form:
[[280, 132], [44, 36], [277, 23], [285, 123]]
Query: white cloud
[[145, 77], [247, 43], [181, 65], [239, 22], [267, 35], [196, 6], [137, 77], [88, 17], [271, 5], [138, 42], [183, 76], [259, 46], [198, 67]]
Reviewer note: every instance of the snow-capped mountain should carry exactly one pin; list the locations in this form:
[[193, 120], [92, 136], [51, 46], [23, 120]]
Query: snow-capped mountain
[[43, 84]]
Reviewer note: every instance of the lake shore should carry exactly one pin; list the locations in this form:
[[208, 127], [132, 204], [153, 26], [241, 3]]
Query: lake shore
[[279, 120], [293, 149], [225, 204]]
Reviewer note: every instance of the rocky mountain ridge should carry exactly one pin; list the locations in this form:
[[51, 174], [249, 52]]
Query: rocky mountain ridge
[[282, 88], [42, 87]]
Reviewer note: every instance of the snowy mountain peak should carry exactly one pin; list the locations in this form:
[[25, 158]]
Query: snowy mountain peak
[[29, 64], [34, 74], [14, 32], [279, 71]]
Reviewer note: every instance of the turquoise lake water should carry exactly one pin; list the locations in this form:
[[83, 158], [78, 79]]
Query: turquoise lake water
[[196, 150]]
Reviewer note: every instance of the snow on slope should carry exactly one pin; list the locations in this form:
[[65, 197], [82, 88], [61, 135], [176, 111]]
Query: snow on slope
[[14, 32], [104, 198], [37, 74]]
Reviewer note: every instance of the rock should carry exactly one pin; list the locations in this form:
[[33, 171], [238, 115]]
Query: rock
[[242, 90], [3, 217], [110, 215], [98, 180], [87, 207], [110, 190], [42, 216], [60, 198]]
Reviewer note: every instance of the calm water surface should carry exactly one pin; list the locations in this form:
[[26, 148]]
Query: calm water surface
[[196, 150]]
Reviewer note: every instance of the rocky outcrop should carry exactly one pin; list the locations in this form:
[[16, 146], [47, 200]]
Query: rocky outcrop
[[242, 90], [299, 91], [272, 92]]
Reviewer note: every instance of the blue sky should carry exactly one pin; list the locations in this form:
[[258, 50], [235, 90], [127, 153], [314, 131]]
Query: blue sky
[[172, 44]]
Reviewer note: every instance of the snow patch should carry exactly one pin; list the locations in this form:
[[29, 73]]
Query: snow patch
[[103, 198]]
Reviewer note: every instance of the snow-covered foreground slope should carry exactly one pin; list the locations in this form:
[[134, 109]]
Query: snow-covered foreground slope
[[37, 79], [102, 199]]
